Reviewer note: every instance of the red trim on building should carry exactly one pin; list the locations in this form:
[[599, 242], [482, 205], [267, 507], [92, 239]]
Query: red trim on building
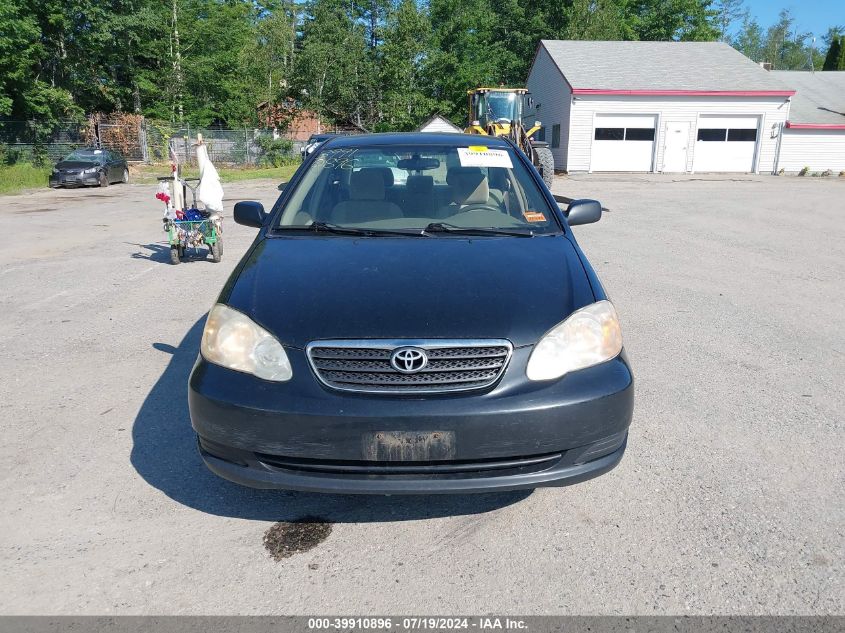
[[815, 126], [684, 93]]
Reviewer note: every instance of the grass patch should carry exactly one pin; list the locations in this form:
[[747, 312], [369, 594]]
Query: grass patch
[[22, 176], [147, 174]]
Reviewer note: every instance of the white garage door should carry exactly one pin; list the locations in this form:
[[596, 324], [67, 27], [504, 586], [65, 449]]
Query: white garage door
[[725, 143], [623, 142]]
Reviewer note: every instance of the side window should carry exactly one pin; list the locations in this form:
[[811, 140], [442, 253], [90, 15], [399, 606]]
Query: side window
[[556, 136], [541, 134]]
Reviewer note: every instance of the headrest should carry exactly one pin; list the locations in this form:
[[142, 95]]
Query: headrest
[[367, 184], [468, 184], [420, 184], [386, 174]]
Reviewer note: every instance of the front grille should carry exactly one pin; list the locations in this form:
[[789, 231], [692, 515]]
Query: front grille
[[452, 365], [444, 469]]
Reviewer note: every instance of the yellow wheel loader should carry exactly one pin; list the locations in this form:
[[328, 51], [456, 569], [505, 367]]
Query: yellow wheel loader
[[499, 112]]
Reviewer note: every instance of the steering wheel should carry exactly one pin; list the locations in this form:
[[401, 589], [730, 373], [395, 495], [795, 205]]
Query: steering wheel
[[479, 205]]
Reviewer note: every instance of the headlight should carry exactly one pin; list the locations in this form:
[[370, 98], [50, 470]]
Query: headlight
[[588, 337], [231, 339]]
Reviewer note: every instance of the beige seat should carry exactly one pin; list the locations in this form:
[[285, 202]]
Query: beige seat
[[467, 186], [419, 201], [366, 200]]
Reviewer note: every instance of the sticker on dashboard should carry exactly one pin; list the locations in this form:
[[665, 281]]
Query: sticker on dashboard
[[533, 216], [480, 156]]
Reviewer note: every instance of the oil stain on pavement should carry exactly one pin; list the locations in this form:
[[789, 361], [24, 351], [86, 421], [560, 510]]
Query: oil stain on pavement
[[286, 538]]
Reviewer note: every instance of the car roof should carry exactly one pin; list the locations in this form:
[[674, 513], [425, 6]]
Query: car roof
[[416, 138]]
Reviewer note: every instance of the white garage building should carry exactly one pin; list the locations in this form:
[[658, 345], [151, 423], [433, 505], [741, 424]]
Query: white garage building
[[814, 136], [657, 107]]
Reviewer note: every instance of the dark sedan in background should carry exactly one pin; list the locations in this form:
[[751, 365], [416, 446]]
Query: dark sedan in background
[[90, 167]]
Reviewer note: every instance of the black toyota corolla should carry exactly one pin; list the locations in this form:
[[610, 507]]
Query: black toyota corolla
[[445, 334]]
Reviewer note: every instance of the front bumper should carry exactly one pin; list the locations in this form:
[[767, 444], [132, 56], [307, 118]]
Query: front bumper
[[300, 435], [82, 180]]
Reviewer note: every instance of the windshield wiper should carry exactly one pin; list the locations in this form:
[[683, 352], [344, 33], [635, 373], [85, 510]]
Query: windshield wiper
[[328, 227], [444, 227]]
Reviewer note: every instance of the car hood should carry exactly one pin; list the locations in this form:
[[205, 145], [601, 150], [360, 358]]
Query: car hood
[[76, 164], [309, 288]]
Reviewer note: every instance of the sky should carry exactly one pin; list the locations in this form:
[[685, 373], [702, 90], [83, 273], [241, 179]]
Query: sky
[[815, 16]]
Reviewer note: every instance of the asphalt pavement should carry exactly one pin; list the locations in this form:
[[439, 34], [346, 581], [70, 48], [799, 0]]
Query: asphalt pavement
[[730, 499]]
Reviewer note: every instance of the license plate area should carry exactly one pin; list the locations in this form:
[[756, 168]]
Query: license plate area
[[408, 446]]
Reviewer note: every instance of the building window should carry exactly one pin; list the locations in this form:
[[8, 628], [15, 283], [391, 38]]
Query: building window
[[712, 134], [541, 134], [556, 136], [639, 134], [742, 135], [610, 133]]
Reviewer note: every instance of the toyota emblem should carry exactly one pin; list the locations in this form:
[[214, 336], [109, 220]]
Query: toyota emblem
[[409, 360]]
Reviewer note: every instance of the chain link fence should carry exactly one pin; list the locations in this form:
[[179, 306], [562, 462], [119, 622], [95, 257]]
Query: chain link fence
[[33, 141], [144, 141]]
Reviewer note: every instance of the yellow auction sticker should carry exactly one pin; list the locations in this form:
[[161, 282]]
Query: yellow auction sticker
[[478, 148]]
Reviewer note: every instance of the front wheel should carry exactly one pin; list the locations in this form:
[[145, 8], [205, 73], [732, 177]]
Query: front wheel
[[104, 179], [125, 178], [174, 255], [544, 161]]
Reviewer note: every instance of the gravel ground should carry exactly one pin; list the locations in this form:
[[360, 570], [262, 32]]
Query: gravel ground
[[729, 499]]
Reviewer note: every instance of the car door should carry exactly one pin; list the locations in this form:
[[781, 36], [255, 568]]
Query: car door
[[111, 166]]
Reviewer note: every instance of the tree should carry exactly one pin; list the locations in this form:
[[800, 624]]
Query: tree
[[728, 12], [596, 20], [784, 47], [835, 58], [689, 20], [466, 52], [749, 39], [406, 49], [332, 70]]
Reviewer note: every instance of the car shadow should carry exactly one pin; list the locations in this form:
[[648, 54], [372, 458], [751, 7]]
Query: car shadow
[[164, 453]]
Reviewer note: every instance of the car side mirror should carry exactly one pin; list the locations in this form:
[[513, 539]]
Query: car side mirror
[[583, 212], [250, 213], [281, 186]]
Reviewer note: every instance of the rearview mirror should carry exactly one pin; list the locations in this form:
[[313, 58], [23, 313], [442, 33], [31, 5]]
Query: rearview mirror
[[418, 164], [583, 212], [250, 213]]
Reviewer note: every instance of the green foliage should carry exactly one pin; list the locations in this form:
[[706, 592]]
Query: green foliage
[[275, 152], [22, 176], [406, 99], [370, 64], [835, 58], [672, 20]]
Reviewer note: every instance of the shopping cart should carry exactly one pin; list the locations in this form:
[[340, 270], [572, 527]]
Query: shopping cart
[[196, 229]]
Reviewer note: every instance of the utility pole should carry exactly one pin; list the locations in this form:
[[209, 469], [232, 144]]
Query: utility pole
[[812, 54], [176, 55]]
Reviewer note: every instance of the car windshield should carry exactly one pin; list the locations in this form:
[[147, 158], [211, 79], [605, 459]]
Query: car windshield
[[86, 154], [412, 187]]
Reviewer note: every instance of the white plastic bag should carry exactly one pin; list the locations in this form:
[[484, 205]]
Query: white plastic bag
[[210, 191]]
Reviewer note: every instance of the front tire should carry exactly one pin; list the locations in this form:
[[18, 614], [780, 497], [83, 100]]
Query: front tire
[[125, 178], [174, 255], [544, 161], [104, 179]]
